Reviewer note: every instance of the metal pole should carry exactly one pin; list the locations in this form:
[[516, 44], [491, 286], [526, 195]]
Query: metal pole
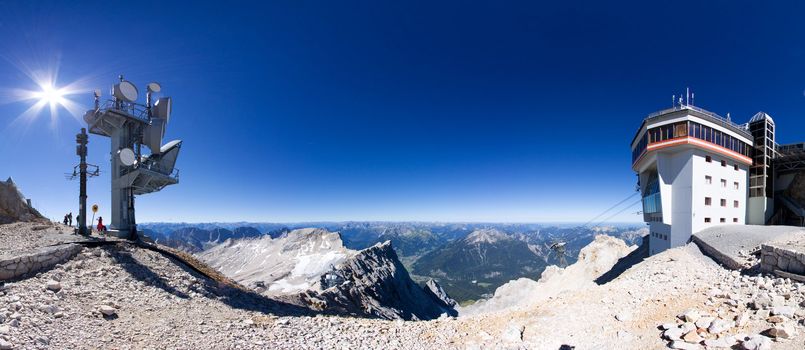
[[82, 139]]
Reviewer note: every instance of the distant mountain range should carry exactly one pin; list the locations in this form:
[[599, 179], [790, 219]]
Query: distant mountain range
[[479, 263], [470, 260]]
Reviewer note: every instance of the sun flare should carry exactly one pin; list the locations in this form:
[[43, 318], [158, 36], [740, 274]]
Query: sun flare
[[50, 95]]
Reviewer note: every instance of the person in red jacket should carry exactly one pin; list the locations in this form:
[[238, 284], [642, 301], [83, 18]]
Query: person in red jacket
[[101, 227]]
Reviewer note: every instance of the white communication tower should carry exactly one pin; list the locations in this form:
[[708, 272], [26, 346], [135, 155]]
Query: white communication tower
[[130, 125]]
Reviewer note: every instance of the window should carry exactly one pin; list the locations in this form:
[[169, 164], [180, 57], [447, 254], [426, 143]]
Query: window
[[708, 159], [736, 185], [724, 163], [724, 183], [734, 204], [680, 130], [706, 220], [708, 201], [723, 220], [735, 220], [735, 166], [723, 202], [708, 179]]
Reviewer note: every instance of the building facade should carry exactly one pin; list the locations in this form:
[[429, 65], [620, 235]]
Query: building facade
[[693, 171]]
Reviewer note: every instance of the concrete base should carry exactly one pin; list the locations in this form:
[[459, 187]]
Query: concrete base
[[733, 245], [119, 234]]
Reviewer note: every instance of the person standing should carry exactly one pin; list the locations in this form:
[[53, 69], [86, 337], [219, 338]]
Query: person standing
[[101, 227], [70, 219]]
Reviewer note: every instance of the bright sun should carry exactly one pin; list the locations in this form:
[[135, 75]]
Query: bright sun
[[46, 95], [51, 95]]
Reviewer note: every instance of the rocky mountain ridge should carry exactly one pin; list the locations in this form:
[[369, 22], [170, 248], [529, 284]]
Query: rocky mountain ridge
[[373, 282], [13, 205], [314, 264], [291, 263]]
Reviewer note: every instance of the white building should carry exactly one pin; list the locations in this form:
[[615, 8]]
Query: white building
[[693, 169]]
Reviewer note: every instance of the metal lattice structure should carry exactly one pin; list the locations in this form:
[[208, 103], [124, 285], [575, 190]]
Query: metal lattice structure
[[82, 171], [559, 249], [790, 158], [131, 125]]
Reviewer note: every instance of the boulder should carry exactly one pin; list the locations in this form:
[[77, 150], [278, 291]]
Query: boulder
[[742, 319], [763, 314], [673, 334], [692, 337], [678, 344], [5, 345], [513, 333], [107, 310], [786, 311], [777, 319], [783, 331], [54, 285], [721, 343], [704, 322], [623, 316], [691, 315], [757, 342], [719, 326], [761, 302]]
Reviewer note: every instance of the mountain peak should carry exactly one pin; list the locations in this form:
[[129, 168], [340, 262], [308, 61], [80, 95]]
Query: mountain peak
[[486, 236]]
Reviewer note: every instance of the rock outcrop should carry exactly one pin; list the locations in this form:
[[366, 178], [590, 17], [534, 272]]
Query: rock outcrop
[[594, 260], [13, 206], [374, 283], [436, 291]]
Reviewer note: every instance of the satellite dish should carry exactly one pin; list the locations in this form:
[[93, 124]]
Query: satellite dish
[[153, 134], [127, 156], [162, 109], [97, 92], [125, 91], [154, 87]]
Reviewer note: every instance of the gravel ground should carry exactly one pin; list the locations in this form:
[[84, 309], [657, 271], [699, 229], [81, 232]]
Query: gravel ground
[[24, 237], [127, 297]]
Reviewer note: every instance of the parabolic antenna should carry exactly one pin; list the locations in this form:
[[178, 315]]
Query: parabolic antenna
[[162, 109], [154, 87], [126, 91], [127, 156], [97, 92]]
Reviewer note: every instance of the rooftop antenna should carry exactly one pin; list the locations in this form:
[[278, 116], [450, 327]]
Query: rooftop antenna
[[687, 96], [692, 95], [673, 100]]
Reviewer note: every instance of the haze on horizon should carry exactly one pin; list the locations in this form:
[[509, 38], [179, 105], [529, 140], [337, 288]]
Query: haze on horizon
[[415, 111]]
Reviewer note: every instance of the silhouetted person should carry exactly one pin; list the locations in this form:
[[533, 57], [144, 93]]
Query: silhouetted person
[[70, 219], [65, 219]]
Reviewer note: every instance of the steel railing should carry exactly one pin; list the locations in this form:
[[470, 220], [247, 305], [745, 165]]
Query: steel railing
[[710, 116]]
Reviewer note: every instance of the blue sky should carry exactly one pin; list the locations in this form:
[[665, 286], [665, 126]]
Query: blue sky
[[449, 111]]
